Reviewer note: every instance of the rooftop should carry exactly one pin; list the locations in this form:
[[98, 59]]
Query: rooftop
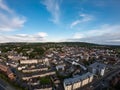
[[77, 78], [97, 65]]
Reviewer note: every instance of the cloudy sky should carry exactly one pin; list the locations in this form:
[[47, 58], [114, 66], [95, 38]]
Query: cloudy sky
[[95, 21]]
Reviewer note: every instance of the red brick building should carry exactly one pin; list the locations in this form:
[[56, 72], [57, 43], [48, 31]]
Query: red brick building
[[7, 71]]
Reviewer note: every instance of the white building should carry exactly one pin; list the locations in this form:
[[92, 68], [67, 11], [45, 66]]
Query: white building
[[60, 67], [97, 68], [46, 61], [33, 61], [12, 57], [77, 81]]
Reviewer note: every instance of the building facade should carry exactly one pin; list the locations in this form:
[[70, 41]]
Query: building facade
[[97, 68], [77, 81]]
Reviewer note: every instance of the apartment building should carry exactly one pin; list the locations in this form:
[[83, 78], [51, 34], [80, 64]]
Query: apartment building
[[16, 57], [3, 68], [78, 81], [7, 71], [97, 68], [33, 61], [34, 70], [38, 74]]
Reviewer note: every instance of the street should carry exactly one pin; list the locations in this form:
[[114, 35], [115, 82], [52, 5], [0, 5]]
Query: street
[[2, 85], [99, 82], [5, 86]]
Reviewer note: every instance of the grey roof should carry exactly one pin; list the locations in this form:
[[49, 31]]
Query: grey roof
[[97, 65]]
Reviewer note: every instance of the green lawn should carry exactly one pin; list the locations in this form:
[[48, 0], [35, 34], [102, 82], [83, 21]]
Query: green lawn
[[44, 80]]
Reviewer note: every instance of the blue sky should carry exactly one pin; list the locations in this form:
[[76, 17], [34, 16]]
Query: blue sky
[[95, 21]]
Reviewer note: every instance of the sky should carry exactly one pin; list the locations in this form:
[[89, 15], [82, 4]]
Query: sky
[[93, 21]]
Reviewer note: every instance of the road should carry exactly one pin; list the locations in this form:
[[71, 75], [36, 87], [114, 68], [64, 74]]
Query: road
[[2, 85], [5, 86], [98, 83]]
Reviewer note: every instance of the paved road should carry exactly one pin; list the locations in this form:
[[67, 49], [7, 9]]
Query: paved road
[[2, 85], [98, 83], [5, 86]]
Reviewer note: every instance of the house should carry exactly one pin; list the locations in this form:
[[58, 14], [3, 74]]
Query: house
[[97, 68]]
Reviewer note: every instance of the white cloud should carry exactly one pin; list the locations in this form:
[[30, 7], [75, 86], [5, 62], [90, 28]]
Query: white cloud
[[42, 34], [105, 34], [39, 37], [53, 6], [8, 19], [5, 7], [84, 18], [22, 35], [116, 40], [78, 36], [104, 29]]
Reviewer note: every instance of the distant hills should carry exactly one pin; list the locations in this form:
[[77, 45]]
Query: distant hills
[[82, 44]]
